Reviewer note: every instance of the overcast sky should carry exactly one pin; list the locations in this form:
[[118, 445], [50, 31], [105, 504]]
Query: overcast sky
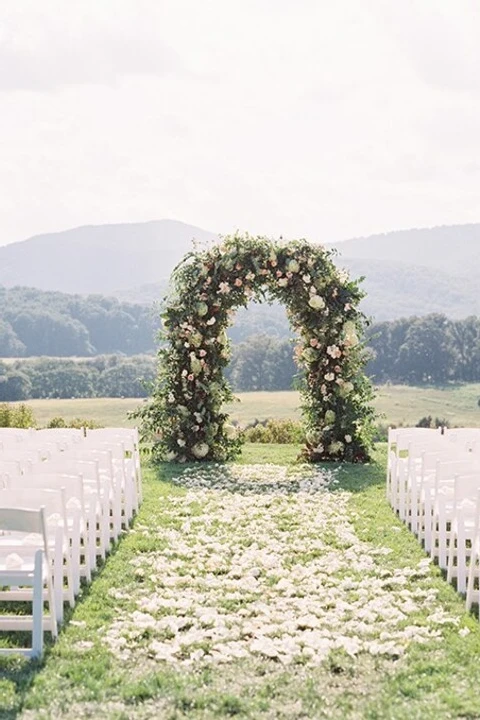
[[307, 118]]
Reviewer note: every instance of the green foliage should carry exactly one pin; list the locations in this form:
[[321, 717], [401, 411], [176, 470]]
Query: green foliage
[[14, 385], [275, 431], [425, 350], [103, 376], [16, 416], [33, 322], [262, 363], [60, 422], [185, 417], [429, 422]]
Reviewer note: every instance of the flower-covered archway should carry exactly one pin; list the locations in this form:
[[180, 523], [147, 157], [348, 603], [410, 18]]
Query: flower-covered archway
[[186, 414]]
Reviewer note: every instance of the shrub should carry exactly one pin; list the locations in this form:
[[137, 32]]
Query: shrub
[[60, 422], [429, 422], [16, 416], [380, 433], [275, 431]]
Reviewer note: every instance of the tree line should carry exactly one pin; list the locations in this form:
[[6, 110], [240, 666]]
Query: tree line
[[34, 322], [418, 350], [103, 376], [431, 349], [425, 350]]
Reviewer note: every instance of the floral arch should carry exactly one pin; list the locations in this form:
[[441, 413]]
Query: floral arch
[[185, 413]]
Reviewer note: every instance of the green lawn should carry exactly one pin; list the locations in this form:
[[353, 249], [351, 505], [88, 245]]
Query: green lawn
[[397, 404], [249, 548]]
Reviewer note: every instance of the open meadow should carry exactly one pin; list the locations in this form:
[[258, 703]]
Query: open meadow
[[396, 404]]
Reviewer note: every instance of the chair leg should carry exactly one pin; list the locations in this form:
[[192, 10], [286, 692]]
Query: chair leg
[[37, 606]]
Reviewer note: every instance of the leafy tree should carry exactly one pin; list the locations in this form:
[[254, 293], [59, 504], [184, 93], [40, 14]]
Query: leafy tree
[[262, 363], [427, 356], [465, 338], [46, 333], [14, 385], [127, 379], [10, 345]]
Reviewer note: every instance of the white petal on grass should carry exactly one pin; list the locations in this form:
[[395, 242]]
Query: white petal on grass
[[262, 561]]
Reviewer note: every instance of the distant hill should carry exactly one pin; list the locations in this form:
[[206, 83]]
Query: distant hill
[[409, 272], [395, 289], [416, 272], [99, 258], [454, 249]]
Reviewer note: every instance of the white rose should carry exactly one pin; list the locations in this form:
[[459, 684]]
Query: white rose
[[316, 302], [293, 266], [169, 456], [200, 450]]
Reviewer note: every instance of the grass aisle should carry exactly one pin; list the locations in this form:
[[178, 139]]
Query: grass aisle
[[255, 591]]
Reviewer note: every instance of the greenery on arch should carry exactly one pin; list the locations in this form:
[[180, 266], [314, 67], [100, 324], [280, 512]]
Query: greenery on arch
[[186, 415]]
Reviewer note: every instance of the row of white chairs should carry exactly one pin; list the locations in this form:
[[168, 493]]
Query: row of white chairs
[[433, 484], [65, 497]]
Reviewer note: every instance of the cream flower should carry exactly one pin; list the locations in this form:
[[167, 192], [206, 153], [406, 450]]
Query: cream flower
[[334, 351], [200, 450], [224, 288], [316, 302]]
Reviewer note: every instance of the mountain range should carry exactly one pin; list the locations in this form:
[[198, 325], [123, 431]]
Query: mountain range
[[408, 272]]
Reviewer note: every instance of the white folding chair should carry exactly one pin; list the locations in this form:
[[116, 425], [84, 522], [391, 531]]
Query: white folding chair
[[53, 502], [466, 488], [473, 579], [130, 438], [96, 498], [438, 534], [81, 540], [110, 478], [31, 570]]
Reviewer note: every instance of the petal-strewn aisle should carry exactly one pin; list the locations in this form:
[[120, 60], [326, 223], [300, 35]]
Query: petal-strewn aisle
[[265, 563]]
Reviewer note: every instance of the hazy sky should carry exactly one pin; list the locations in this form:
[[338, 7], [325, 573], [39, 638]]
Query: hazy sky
[[314, 118]]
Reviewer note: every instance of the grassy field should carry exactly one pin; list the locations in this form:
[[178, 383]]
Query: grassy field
[[216, 573], [397, 404]]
